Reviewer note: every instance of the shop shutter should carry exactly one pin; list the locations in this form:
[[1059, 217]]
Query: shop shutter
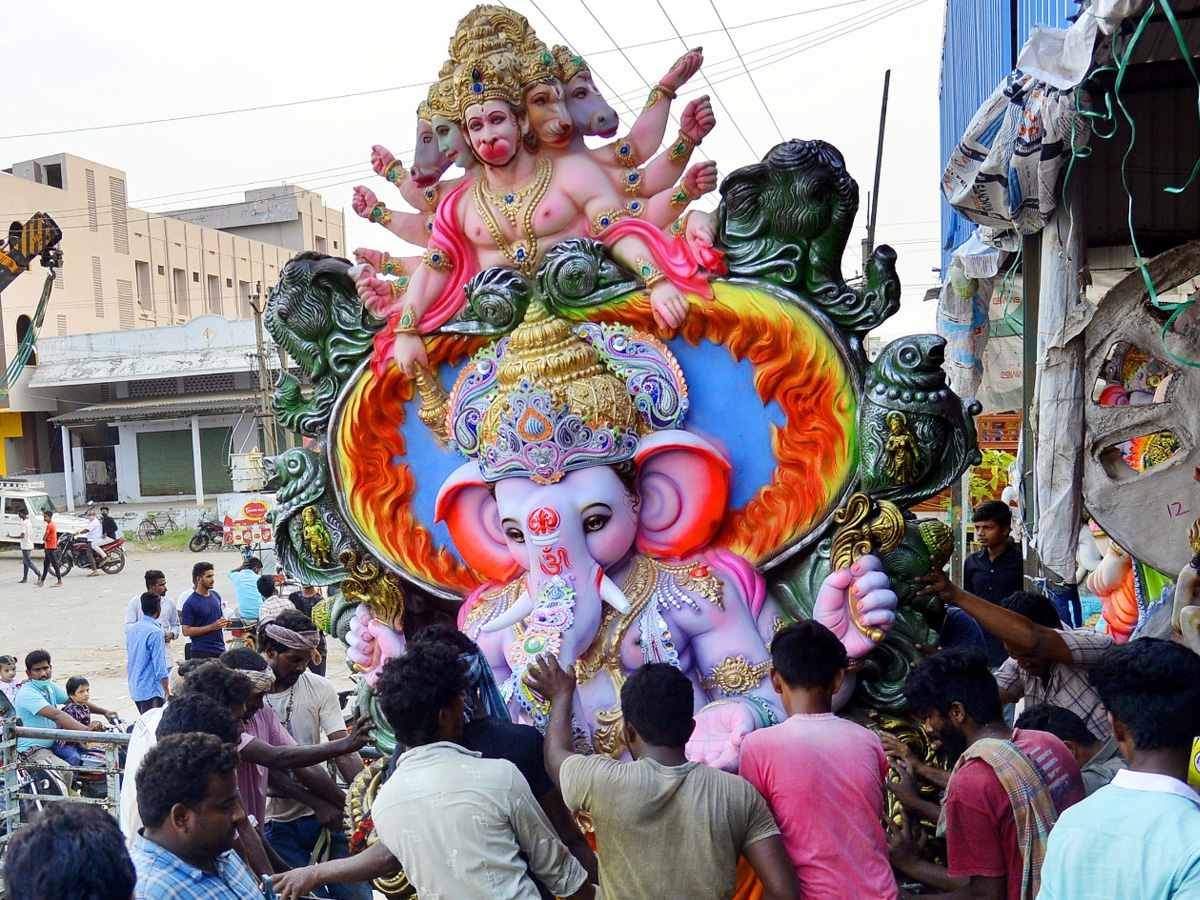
[[165, 463], [214, 460]]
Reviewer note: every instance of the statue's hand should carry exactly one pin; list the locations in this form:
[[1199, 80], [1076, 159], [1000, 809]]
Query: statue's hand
[[363, 201], [370, 643], [365, 256], [683, 69], [409, 352], [720, 727], [698, 119], [381, 158], [375, 293], [855, 600], [668, 305], [700, 179]]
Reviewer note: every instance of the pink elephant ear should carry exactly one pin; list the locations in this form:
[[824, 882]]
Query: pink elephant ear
[[683, 482], [469, 510]]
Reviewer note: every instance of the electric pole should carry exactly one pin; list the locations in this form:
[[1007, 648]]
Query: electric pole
[[264, 375]]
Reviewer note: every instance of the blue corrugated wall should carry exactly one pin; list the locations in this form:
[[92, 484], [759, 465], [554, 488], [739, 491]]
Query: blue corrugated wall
[[977, 52]]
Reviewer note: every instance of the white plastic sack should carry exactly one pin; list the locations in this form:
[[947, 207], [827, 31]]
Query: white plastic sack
[[1005, 168]]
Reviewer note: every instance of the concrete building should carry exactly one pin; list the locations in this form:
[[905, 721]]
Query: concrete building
[[131, 270]]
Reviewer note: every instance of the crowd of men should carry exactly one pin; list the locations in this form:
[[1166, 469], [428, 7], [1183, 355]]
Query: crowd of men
[[1085, 797]]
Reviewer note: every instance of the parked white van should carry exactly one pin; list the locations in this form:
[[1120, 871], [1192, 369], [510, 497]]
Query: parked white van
[[32, 497]]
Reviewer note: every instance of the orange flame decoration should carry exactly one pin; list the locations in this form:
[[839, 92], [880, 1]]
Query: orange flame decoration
[[795, 365]]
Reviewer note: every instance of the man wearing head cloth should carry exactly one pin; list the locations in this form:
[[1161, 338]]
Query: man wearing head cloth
[[307, 707]]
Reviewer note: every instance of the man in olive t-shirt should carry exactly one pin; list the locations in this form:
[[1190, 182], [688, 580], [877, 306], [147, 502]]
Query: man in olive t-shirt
[[665, 827]]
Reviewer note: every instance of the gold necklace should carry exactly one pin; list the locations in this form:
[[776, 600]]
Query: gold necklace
[[509, 202], [522, 253]]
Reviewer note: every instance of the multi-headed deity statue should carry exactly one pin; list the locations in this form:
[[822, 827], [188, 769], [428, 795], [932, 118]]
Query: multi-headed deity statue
[[592, 423]]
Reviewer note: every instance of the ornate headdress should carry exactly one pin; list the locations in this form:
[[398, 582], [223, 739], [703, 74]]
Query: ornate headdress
[[569, 63], [424, 112], [550, 398], [441, 96], [537, 65], [490, 77]]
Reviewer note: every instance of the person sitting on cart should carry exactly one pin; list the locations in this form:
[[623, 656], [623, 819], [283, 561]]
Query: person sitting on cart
[[245, 584]]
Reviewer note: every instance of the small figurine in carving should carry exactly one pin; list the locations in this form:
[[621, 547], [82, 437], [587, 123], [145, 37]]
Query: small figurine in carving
[[1186, 613], [903, 455], [316, 537]]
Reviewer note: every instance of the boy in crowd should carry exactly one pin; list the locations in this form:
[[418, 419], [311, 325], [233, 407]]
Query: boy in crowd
[[188, 800], [79, 694], [821, 775], [1006, 791], [1098, 760], [665, 827], [146, 668], [70, 850], [444, 796], [997, 569], [1140, 835], [168, 618], [203, 618]]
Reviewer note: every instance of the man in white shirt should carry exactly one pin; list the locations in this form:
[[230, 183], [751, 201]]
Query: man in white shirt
[[461, 826], [26, 546], [168, 618], [95, 539]]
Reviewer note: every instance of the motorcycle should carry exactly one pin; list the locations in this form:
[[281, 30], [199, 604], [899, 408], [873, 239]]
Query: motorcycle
[[79, 552], [209, 533], [94, 785]]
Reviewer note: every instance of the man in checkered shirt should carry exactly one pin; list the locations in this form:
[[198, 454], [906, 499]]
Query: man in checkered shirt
[[1046, 662]]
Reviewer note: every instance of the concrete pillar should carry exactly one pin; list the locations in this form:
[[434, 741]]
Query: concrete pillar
[[197, 468], [68, 480]]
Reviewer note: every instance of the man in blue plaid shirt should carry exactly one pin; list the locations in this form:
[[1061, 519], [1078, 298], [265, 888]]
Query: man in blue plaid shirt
[[188, 800]]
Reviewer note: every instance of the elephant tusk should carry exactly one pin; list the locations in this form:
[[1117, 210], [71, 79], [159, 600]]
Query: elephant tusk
[[511, 616], [613, 595]]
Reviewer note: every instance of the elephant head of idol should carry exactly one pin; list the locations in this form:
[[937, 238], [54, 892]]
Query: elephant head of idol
[[577, 461]]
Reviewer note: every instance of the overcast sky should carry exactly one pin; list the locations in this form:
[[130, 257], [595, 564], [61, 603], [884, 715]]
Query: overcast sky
[[818, 64]]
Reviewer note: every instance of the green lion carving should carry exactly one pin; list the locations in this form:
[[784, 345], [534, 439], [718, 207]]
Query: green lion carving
[[787, 220], [315, 315]]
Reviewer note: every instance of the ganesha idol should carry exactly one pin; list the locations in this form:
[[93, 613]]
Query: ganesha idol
[[592, 512]]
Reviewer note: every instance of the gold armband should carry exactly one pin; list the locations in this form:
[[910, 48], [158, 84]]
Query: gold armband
[[681, 196], [394, 172], [391, 265], [438, 260], [399, 286], [736, 676], [633, 182], [650, 273], [381, 214], [657, 93], [431, 196], [623, 151], [682, 148], [407, 323], [606, 218]]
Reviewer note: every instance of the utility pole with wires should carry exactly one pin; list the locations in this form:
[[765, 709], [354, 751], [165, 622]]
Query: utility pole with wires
[[264, 414], [873, 203]]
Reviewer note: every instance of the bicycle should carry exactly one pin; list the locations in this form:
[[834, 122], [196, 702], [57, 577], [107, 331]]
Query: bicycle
[[156, 524]]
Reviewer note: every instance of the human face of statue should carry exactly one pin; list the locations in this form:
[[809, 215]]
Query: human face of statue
[[494, 131], [451, 142], [548, 116]]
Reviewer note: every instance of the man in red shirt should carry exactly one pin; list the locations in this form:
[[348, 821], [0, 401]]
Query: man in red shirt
[[51, 554], [1006, 789], [821, 775]]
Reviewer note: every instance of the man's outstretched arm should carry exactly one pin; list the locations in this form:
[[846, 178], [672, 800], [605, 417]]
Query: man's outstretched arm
[[557, 687]]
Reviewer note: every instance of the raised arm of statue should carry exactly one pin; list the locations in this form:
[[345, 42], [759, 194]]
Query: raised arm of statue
[[647, 132], [666, 206], [410, 227], [387, 166], [662, 172]]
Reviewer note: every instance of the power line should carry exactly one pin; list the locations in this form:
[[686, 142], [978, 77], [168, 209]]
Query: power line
[[749, 75], [704, 75]]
